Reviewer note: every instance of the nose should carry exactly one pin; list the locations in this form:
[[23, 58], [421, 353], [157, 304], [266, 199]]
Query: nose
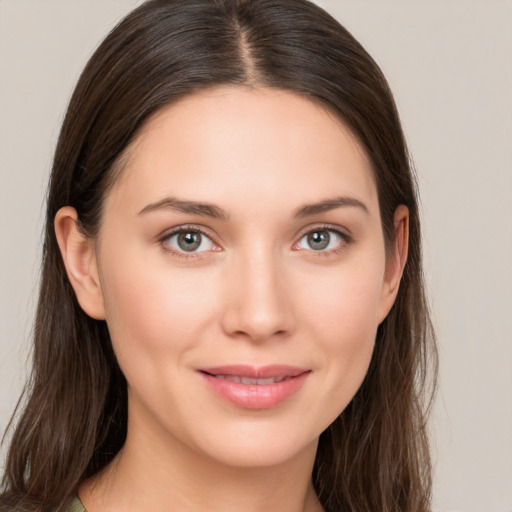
[[258, 304]]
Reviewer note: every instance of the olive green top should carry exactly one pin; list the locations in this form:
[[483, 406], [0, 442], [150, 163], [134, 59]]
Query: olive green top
[[76, 506]]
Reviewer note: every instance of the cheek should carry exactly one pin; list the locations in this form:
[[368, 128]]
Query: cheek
[[154, 314], [346, 301], [343, 319]]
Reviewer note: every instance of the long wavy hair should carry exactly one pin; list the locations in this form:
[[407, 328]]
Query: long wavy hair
[[72, 419]]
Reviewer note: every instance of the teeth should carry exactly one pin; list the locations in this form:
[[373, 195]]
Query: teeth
[[251, 381]]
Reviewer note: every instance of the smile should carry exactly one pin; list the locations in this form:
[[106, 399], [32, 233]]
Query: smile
[[249, 387]]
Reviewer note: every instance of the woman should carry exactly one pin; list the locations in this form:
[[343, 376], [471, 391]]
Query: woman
[[231, 312]]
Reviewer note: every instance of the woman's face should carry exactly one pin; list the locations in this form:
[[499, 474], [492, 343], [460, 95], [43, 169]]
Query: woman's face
[[243, 275]]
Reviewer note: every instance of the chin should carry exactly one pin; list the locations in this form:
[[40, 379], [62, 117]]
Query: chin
[[257, 444], [256, 455]]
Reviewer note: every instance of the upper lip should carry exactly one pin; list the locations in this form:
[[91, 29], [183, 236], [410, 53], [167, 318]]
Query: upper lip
[[255, 372]]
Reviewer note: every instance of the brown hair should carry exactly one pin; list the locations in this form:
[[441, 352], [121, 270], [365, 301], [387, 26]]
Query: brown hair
[[73, 419]]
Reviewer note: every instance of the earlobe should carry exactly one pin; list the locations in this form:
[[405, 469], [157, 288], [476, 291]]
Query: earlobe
[[79, 258], [396, 260]]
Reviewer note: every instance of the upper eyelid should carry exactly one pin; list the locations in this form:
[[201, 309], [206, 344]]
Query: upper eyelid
[[167, 233], [206, 231], [344, 232]]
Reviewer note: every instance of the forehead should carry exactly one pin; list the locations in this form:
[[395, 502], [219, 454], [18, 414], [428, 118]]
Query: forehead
[[261, 144]]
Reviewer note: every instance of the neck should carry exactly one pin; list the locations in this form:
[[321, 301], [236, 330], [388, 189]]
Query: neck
[[155, 471]]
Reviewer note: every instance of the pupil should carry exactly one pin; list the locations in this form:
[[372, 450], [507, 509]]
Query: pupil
[[319, 240], [189, 241]]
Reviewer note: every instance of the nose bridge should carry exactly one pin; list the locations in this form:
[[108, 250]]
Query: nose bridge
[[259, 304]]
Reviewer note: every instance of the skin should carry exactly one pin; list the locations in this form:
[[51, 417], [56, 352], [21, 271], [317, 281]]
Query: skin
[[255, 292]]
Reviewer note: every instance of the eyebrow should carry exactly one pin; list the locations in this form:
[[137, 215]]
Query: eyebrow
[[211, 210], [183, 206], [330, 204]]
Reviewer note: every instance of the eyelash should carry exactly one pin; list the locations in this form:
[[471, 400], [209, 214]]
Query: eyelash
[[346, 240]]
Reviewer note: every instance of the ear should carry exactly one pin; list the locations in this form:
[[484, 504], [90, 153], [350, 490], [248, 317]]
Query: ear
[[396, 260], [78, 254]]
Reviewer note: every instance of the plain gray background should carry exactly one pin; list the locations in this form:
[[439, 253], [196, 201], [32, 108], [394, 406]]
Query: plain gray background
[[449, 65]]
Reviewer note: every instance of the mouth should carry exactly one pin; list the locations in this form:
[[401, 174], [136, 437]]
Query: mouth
[[252, 387], [251, 381]]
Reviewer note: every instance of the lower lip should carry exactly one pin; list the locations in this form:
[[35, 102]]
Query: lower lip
[[253, 396]]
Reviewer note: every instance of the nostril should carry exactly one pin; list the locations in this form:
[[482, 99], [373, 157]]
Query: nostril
[[258, 310]]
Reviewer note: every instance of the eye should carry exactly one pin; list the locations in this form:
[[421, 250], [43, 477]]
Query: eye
[[189, 241], [322, 240]]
